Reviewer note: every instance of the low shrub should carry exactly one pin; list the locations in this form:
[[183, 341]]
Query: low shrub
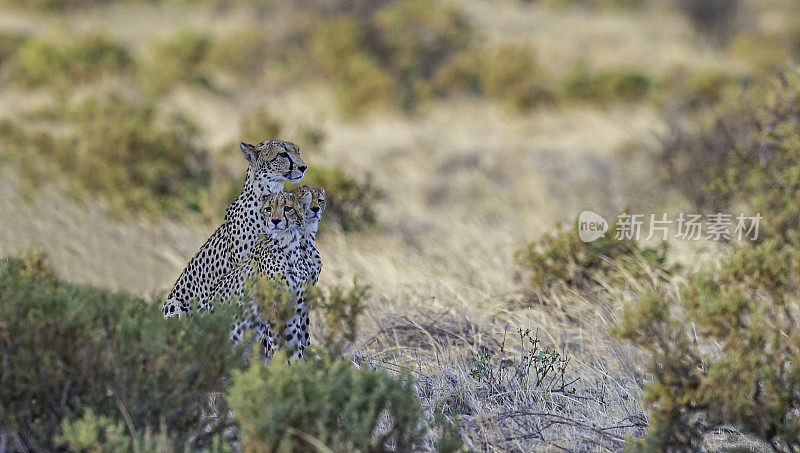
[[535, 367], [511, 76], [341, 309], [327, 402], [342, 47], [701, 89], [78, 60], [81, 362], [507, 73], [181, 58], [242, 55], [740, 153], [735, 363], [607, 86], [122, 150], [385, 53], [562, 257]]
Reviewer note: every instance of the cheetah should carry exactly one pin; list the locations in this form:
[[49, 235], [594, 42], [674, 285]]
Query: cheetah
[[313, 201], [275, 253], [270, 163]]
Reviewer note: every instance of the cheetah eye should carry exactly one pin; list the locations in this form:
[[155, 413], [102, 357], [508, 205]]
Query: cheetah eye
[[268, 209], [284, 154], [287, 209]]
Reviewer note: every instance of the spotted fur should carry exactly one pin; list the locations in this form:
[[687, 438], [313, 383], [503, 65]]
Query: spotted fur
[[276, 252], [270, 164], [313, 202]]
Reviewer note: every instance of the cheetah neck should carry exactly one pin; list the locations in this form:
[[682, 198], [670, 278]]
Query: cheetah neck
[[284, 240], [310, 230], [260, 188]]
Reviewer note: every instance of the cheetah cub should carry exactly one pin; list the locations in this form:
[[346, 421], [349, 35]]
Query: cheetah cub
[[276, 252], [313, 201]]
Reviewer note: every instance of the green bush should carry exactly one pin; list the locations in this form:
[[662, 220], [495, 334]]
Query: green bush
[[341, 309], [341, 46], [535, 367], [9, 46], [321, 403], [242, 55], [562, 257], [510, 75], [182, 58], [74, 61], [507, 73], [742, 152], [701, 89], [72, 351], [378, 53], [735, 364], [607, 86], [122, 150]]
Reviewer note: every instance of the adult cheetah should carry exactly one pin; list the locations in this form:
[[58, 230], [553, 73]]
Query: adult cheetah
[[270, 163]]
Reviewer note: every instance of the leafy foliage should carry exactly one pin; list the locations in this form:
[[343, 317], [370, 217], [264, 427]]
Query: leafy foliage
[[724, 353], [126, 151], [341, 309], [606, 86], [508, 73], [536, 367], [563, 257], [386, 52], [77, 60], [182, 58], [743, 152], [741, 370], [71, 349], [324, 402]]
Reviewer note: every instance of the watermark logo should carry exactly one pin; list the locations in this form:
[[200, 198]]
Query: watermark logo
[[591, 226], [686, 227]]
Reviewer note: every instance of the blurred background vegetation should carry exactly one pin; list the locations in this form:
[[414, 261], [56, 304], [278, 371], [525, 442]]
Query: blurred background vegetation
[[451, 138]]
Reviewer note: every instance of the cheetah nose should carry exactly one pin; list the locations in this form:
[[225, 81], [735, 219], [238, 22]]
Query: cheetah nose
[[315, 209], [276, 221], [302, 168]]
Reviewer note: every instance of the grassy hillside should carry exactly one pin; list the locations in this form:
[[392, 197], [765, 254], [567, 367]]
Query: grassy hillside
[[449, 136]]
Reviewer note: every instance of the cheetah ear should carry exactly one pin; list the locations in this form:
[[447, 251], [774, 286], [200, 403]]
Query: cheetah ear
[[250, 152], [305, 199]]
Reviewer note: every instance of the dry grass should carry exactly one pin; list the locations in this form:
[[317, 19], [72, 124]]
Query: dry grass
[[466, 183]]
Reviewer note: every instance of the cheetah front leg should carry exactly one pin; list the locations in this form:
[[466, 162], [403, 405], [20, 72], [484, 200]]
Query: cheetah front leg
[[295, 334]]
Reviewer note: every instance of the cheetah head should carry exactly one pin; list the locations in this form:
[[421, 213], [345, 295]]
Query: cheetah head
[[312, 201], [282, 212], [273, 162]]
